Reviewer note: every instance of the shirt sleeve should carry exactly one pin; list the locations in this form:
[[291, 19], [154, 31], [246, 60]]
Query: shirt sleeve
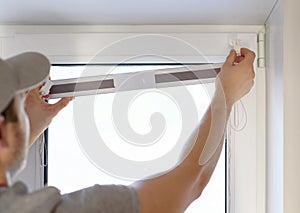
[[100, 199]]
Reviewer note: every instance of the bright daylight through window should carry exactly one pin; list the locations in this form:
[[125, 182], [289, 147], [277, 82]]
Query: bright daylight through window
[[71, 166]]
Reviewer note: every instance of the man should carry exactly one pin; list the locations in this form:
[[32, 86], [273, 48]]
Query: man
[[169, 193]]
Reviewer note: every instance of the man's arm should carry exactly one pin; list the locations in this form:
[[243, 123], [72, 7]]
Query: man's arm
[[40, 113], [174, 191]]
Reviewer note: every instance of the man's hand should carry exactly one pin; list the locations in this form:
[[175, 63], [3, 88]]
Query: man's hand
[[40, 113], [236, 77]]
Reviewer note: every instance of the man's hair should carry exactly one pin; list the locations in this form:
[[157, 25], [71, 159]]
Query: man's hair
[[9, 113]]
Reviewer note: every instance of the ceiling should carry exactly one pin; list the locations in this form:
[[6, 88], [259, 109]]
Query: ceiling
[[135, 11]]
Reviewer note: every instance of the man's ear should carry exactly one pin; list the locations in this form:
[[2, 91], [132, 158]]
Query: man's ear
[[2, 127], [3, 142]]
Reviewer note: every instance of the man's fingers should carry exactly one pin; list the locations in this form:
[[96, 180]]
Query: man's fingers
[[231, 58], [239, 59], [249, 56], [62, 103]]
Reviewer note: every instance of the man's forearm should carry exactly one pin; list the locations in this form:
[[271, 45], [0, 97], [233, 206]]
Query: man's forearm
[[210, 133], [186, 182], [208, 143]]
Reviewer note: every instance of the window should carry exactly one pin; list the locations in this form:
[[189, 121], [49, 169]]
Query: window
[[115, 44], [70, 165]]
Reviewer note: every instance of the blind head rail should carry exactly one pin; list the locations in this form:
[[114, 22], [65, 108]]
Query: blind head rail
[[156, 78]]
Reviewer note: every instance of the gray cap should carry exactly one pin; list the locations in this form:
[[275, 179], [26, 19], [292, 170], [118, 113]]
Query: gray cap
[[20, 73]]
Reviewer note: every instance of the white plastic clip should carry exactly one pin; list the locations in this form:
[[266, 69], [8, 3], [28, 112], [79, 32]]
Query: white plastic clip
[[46, 88], [236, 44]]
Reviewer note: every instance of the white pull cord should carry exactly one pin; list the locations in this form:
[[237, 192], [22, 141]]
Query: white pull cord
[[240, 119], [239, 111]]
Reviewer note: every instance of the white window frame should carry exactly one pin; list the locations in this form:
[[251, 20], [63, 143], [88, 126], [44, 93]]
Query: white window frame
[[75, 44]]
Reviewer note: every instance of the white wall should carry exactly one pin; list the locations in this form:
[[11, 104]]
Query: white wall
[[274, 45], [291, 106], [283, 106]]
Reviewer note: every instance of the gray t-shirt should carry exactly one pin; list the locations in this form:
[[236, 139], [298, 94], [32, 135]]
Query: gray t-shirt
[[99, 198]]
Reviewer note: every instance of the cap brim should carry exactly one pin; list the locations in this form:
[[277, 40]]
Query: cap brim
[[30, 68]]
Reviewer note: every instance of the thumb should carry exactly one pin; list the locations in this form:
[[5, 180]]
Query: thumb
[[62, 103], [231, 58]]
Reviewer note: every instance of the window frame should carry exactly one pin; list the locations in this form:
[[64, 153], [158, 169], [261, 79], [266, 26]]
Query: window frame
[[16, 39]]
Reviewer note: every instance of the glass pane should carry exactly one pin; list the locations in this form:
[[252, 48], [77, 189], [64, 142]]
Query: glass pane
[[71, 168]]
